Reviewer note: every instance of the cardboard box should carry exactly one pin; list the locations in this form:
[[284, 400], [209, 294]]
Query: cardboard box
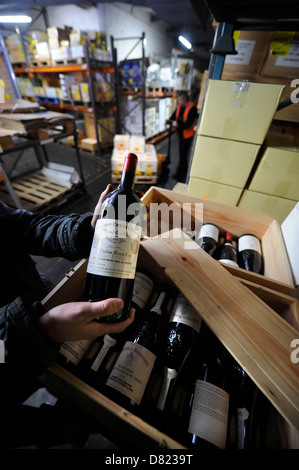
[[218, 192], [252, 48], [223, 161], [285, 63], [278, 171], [241, 111], [290, 231], [266, 204]]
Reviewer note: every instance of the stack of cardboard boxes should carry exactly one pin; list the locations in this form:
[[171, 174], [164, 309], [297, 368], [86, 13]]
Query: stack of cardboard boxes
[[235, 119], [147, 156]]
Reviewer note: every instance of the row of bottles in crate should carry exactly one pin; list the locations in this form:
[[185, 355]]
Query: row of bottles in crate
[[245, 252], [169, 369]]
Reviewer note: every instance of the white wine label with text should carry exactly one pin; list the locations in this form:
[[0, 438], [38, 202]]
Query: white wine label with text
[[143, 286], [249, 242], [75, 350], [114, 249], [131, 371], [210, 231], [184, 312], [209, 413]]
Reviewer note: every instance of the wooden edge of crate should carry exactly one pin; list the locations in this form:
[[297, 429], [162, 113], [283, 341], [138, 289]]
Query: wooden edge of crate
[[256, 336], [117, 419], [238, 221]]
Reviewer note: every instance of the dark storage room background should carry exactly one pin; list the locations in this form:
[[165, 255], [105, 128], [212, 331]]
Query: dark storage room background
[[110, 73]]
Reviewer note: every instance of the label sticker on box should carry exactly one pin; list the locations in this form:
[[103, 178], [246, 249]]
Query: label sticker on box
[[291, 59], [245, 50]]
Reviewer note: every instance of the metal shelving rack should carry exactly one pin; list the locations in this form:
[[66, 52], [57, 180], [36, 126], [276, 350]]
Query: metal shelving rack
[[119, 124]]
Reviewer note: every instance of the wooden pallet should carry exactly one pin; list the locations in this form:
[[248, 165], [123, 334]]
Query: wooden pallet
[[35, 191], [139, 179], [40, 63], [69, 61]]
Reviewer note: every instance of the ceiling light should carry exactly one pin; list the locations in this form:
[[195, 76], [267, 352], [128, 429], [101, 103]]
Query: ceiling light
[[185, 42], [15, 19]]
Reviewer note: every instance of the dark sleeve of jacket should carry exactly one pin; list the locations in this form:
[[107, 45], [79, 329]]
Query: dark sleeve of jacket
[[28, 350]]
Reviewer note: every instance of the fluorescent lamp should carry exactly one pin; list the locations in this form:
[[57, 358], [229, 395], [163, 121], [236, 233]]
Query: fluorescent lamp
[[15, 19], [185, 42]]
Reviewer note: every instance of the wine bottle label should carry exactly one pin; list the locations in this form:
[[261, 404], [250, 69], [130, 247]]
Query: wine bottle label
[[229, 261], [209, 413], [183, 312], [143, 287], [108, 343], [132, 371], [169, 375], [75, 350], [242, 415], [209, 230], [114, 249], [249, 242]]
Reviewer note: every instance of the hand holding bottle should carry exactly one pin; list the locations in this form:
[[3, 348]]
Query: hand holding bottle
[[75, 320]]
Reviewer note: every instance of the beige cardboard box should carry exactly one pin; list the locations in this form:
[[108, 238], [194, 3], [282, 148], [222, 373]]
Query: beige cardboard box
[[212, 191], [266, 204], [286, 64], [223, 161], [240, 111], [252, 48], [278, 173]]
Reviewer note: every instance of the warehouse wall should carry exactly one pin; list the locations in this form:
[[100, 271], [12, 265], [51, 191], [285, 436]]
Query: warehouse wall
[[119, 20]]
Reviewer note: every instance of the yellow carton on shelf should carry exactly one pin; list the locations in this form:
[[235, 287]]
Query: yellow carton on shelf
[[223, 161], [218, 192], [240, 111]]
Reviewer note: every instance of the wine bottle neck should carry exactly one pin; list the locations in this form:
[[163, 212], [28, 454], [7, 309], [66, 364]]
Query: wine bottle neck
[[127, 180], [128, 173]]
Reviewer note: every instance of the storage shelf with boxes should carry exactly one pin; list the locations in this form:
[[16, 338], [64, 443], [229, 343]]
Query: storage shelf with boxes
[[250, 319]]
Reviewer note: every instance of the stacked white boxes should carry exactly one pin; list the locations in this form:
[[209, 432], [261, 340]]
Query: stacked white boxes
[[147, 156]]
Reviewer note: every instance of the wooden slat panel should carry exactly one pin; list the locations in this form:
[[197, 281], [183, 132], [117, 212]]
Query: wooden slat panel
[[254, 334]]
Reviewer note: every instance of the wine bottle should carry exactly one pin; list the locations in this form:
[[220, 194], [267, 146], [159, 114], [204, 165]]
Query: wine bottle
[[71, 354], [228, 253], [242, 390], [112, 262], [129, 377], [207, 427], [143, 286], [182, 330], [208, 238], [250, 253]]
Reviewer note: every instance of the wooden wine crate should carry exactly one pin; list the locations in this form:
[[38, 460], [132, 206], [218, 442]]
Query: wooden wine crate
[[253, 322], [277, 272]]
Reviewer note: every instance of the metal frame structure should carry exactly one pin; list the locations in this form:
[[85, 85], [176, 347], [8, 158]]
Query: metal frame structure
[[119, 125]]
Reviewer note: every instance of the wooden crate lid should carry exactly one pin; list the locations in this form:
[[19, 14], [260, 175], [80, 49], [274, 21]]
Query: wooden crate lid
[[258, 338]]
